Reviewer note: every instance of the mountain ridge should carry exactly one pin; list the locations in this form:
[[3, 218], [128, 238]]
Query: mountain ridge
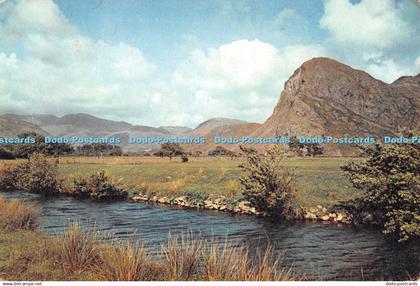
[[322, 97]]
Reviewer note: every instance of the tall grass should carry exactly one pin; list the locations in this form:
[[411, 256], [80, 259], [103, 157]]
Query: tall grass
[[78, 249], [229, 263], [182, 257], [16, 215], [126, 262], [80, 254], [223, 263]]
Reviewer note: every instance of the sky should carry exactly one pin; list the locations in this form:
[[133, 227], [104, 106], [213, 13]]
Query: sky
[[181, 62]]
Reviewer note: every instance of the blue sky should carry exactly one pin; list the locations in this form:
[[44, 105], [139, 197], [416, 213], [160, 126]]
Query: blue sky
[[183, 62], [168, 30]]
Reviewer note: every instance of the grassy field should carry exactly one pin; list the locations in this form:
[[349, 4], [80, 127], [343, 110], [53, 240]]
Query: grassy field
[[318, 180]]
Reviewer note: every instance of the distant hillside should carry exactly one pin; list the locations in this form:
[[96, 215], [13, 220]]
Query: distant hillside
[[11, 125], [177, 130], [325, 97], [209, 125], [322, 97]]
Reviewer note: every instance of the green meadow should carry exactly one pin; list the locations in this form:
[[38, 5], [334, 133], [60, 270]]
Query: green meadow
[[318, 180]]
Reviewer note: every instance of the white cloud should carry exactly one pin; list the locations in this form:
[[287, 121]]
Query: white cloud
[[377, 36], [418, 64], [57, 70], [369, 23], [388, 70], [65, 72], [241, 79]]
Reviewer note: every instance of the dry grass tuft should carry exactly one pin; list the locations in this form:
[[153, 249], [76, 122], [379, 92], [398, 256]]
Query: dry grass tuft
[[126, 262], [221, 263], [16, 215], [79, 249], [182, 257]]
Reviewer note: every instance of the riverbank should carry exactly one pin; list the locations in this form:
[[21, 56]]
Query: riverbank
[[82, 255], [235, 206], [319, 181], [316, 250]]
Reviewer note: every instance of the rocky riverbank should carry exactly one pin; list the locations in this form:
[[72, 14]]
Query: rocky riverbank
[[235, 206]]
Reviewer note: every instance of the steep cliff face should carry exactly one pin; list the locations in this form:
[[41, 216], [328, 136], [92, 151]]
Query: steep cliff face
[[325, 97]]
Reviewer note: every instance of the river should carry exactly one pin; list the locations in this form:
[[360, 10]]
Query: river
[[321, 251]]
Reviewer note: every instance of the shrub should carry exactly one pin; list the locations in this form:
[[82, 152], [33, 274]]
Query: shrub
[[390, 179], [266, 184], [98, 187], [7, 179], [18, 215], [38, 175]]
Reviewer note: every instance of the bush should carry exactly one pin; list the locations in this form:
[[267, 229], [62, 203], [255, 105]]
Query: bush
[[98, 187], [390, 179], [18, 215], [7, 179], [38, 175], [266, 184]]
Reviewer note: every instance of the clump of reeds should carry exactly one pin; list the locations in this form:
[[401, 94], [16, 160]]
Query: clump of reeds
[[182, 257], [78, 249], [126, 262], [80, 253], [229, 263], [16, 215]]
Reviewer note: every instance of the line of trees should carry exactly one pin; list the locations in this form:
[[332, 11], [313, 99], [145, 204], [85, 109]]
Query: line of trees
[[302, 149], [25, 150]]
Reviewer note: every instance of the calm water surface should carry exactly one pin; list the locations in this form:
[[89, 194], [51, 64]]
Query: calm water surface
[[318, 250]]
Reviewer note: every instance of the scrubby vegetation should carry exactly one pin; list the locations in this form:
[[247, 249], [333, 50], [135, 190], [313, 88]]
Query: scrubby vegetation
[[37, 175], [171, 150], [222, 151], [305, 149], [390, 181], [98, 186], [267, 184], [16, 215], [40, 175], [39, 146]]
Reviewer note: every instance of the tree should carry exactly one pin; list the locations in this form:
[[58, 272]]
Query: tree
[[296, 146], [221, 151], [99, 149], [390, 181], [170, 150], [266, 183], [312, 149], [58, 149], [25, 150]]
